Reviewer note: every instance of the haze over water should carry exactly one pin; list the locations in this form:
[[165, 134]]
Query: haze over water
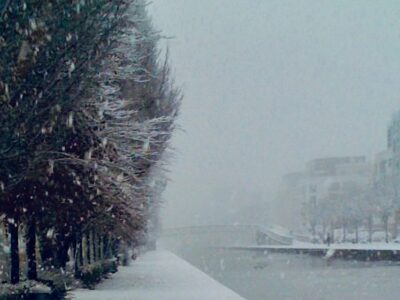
[[268, 86]]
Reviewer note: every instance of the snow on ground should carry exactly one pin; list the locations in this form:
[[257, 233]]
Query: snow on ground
[[158, 275]]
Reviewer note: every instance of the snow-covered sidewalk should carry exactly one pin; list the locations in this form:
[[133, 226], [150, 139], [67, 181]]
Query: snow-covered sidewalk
[[158, 275]]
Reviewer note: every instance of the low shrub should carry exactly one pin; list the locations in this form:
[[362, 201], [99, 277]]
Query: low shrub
[[94, 273]]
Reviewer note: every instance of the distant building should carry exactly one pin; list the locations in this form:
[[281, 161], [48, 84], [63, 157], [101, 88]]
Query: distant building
[[393, 135], [310, 199], [333, 166], [343, 192], [331, 183], [393, 162], [325, 174], [383, 167], [387, 177]]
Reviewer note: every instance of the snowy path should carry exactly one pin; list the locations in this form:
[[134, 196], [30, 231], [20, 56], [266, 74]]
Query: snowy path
[[158, 275]]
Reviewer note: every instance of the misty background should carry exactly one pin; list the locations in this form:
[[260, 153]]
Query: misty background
[[268, 86]]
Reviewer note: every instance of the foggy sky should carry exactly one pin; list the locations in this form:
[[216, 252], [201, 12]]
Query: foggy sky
[[268, 86]]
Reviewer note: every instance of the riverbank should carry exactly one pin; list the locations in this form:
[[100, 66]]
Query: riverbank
[[363, 252]]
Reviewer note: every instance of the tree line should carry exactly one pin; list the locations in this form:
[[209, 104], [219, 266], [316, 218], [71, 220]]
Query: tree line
[[87, 110], [352, 205]]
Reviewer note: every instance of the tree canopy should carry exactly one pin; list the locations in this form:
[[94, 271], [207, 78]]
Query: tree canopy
[[87, 109]]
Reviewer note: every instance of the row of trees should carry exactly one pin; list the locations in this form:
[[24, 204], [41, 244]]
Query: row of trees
[[352, 205], [87, 110]]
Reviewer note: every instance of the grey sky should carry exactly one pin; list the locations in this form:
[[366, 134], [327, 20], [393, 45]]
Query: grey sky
[[269, 85]]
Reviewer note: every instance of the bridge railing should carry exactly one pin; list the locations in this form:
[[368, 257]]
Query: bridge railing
[[254, 231]]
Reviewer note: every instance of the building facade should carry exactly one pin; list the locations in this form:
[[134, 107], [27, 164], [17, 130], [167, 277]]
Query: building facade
[[346, 192], [392, 164], [334, 187], [325, 195]]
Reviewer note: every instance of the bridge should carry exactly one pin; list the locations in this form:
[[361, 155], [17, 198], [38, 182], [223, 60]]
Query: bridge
[[224, 235]]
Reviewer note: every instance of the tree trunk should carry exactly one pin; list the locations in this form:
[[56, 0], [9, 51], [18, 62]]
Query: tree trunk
[[344, 233], [88, 256], [80, 250], [63, 242], [396, 224], [74, 245], [94, 246], [356, 233], [100, 247], [14, 251], [31, 250], [313, 229], [106, 247], [386, 224], [46, 249], [370, 220], [78, 263], [332, 233], [115, 243]]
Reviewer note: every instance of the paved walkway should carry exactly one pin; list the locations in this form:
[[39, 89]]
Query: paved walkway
[[158, 275]]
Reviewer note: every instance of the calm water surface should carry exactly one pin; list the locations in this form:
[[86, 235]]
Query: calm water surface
[[291, 276]]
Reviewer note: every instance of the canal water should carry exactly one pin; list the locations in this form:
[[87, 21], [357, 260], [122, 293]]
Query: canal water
[[293, 276]]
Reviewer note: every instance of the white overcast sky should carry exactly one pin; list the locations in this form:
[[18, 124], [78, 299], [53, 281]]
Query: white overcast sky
[[269, 85]]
